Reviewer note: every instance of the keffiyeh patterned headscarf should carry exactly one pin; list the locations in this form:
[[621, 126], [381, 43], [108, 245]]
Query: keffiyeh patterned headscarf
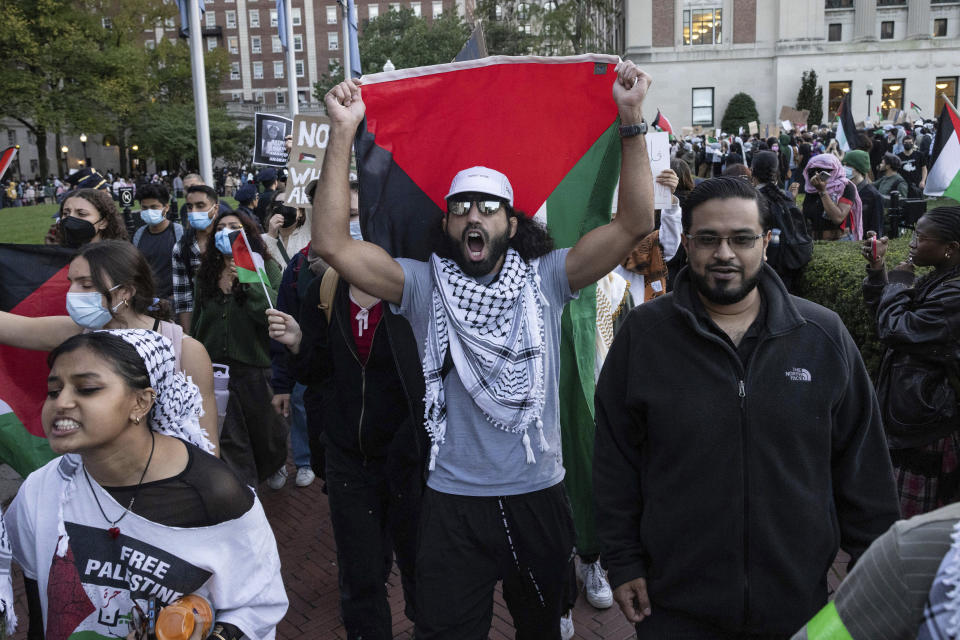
[[495, 337], [835, 186], [176, 410]]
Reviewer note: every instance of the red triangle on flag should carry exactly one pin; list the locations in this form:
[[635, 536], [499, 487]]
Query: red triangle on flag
[[526, 126]]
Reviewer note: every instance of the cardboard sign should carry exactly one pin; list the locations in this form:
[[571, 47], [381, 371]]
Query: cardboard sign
[[786, 125], [752, 127], [686, 131], [270, 131], [310, 137], [658, 150], [697, 130], [793, 115]]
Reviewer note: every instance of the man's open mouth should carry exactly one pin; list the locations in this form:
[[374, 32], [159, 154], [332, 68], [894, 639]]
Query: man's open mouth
[[475, 245]]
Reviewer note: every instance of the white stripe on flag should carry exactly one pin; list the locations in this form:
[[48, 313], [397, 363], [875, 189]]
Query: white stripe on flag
[[945, 171]]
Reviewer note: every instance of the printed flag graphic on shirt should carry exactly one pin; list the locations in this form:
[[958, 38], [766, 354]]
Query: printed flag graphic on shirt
[[249, 263], [33, 282], [944, 176], [512, 114], [846, 128]]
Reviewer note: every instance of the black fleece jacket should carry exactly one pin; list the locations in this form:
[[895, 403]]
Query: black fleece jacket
[[730, 488], [372, 410]]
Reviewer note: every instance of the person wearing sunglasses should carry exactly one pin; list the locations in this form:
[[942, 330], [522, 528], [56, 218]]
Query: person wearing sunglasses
[[288, 229], [739, 443]]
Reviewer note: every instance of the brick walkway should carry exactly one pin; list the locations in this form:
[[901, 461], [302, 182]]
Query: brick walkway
[[301, 523]]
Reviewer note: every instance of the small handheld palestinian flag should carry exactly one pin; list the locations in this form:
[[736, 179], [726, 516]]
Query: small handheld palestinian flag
[[944, 176], [248, 263], [661, 122], [915, 107]]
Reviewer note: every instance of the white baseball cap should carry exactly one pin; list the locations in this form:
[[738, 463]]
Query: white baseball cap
[[482, 180]]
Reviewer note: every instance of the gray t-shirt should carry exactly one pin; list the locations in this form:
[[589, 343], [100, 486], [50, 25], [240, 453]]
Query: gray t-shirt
[[476, 458]]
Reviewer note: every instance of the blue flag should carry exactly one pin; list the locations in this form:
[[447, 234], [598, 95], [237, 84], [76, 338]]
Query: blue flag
[[185, 15], [475, 47], [354, 49], [282, 22]]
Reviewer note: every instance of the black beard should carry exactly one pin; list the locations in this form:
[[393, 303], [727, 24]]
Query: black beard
[[722, 294], [454, 250]]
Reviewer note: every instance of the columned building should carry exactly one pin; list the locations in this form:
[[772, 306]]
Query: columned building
[[885, 53]]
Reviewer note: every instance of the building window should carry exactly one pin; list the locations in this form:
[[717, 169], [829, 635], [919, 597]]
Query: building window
[[106, 23], [277, 69], [701, 26], [233, 44], [210, 19], [254, 17], [394, 6], [234, 70], [333, 41], [303, 97], [437, 8], [839, 4], [298, 67], [702, 106], [275, 45], [211, 44], [169, 24], [835, 96], [416, 8], [273, 17], [834, 32], [940, 28], [281, 97], [297, 19], [297, 42], [892, 95], [373, 10], [258, 96], [150, 44], [886, 30], [258, 70], [236, 96], [948, 86], [255, 46], [11, 136], [231, 19]]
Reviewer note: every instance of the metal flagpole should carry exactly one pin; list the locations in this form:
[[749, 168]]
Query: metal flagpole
[[345, 45], [200, 94], [291, 61]]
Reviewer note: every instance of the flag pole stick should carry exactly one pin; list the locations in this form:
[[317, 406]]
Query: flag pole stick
[[948, 102]]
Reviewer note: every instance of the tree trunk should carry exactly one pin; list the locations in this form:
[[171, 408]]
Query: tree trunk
[[61, 165], [41, 135], [122, 144]]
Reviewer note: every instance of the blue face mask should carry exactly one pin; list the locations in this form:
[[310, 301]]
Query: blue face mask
[[200, 219], [222, 241], [849, 172], [151, 216], [85, 308]]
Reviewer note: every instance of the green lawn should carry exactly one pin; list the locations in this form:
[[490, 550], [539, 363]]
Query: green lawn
[[28, 225]]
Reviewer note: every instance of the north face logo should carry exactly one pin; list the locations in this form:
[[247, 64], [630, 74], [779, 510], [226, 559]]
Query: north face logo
[[798, 375]]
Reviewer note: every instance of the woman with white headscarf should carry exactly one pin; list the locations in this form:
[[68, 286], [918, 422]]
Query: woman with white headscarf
[[136, 513]]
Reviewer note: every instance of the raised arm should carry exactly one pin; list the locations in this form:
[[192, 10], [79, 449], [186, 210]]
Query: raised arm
[[598, 252], [40, 334], [363, 264]]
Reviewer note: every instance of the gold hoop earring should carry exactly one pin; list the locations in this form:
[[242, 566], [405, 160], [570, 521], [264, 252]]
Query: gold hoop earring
[[136, 420]]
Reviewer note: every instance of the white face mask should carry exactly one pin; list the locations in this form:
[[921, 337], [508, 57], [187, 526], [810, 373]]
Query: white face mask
[[86, 309]]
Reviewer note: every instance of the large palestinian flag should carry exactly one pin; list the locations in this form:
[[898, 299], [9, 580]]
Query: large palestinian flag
[[549, 125], [944, 176], [33, 282], [847, 138]]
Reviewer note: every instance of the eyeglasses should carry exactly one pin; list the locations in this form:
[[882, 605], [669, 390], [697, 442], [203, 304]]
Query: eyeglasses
[[462, 207], [735, 242]]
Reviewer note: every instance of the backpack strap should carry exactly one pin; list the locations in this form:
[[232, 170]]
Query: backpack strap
[[137, 235], [328, 288]]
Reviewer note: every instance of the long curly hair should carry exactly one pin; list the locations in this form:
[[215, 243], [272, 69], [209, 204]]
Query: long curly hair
[[212, 261], [532, 239], [105, 206]]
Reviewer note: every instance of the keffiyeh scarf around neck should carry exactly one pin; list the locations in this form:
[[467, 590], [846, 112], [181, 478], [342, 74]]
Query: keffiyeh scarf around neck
[[495, 337]]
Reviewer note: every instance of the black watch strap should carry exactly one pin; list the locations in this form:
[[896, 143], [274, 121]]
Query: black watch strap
[[630, 130]]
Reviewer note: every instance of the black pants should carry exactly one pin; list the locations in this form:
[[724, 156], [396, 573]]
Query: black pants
[[469, 543], [253, 440], [373, 515], [664, 623]]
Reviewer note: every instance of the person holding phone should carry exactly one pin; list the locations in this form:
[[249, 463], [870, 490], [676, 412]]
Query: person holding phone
[[832, 205]]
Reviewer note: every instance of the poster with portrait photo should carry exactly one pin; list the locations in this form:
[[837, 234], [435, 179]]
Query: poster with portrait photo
[[270, 130]]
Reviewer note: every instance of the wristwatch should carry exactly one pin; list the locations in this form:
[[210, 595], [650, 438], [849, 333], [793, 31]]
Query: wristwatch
[[630, 130]]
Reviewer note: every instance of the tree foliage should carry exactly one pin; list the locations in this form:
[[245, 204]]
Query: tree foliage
[[740, 110], [810, 97], [556, 27]]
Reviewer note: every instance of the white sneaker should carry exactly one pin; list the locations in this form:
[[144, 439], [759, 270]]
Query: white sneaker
[[277, 480], [305, 476], [566, 626], [595, 585]]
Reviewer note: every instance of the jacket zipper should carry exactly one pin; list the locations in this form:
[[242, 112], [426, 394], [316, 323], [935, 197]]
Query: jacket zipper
[[741, 388], [351, 345]]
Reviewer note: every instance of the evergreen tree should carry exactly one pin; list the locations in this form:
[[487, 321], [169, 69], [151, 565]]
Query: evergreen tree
[[810, 97], [740, 110]]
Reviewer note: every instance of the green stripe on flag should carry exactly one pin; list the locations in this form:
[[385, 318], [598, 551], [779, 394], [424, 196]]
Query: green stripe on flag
[[246, 276], [827, 625], [19, 448], [580, 203]]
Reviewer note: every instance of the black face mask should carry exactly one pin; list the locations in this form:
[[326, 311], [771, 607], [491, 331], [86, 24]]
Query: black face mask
[[76, 231], [289, 214]]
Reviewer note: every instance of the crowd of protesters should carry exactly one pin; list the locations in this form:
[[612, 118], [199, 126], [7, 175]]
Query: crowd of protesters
[[739, 441]]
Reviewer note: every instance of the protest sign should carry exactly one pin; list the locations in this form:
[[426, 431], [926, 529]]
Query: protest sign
[[752, 127], [270, 130], [658, 149], [793, 115], [310, 137]]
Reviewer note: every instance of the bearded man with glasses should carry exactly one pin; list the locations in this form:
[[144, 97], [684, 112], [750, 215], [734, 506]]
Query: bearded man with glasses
[[739, 442]]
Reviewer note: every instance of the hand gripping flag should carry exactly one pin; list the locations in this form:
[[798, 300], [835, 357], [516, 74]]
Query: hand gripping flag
[[944, 176], [33, 282], [248, 263], [550, 125]]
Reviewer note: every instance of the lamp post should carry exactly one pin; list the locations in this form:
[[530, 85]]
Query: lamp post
[[83, 141], [64, 150], [869, 96], [134, 162]]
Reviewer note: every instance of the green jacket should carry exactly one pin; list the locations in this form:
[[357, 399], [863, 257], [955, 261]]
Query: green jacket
[[887, 184]]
